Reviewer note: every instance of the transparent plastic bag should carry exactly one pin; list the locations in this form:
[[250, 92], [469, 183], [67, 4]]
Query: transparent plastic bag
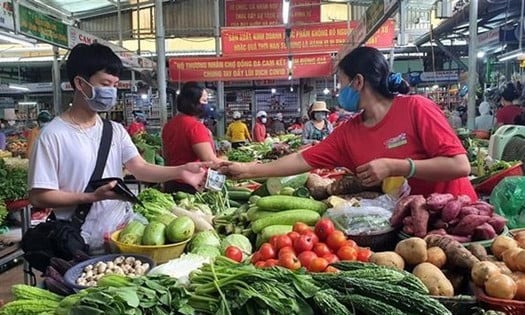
[[508, 199], [360, 220]]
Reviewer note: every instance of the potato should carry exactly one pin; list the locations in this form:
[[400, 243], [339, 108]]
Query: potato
[[501, 244], [413, 250], [389, 259], [503, 267], [436, 256], [482, 271], [520, 289], [501, 286], [520, 238], [434, 279], [517, 275], [509, 256]]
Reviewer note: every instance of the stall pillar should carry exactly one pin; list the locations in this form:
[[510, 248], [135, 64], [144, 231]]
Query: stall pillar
[[57, 95], [221, 121], [161, 62], [472, 63]]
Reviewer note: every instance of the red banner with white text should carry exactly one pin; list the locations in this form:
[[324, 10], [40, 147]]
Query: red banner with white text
[[269, 12], [314, 38], [248, 68]]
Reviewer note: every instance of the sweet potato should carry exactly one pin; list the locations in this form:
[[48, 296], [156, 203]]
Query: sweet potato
[[317, 186], [464, 199], [484, 207], [408, 229], [363, 195], [436, 202], [468, 224], [401, 210], [408, 220], [478, 250], [466, 210], [461, 238], [484, 232], [458, 279], [438, 232], [457, 254], [451, 210], [420, 215], [348, 184], [498, 223], [440, 224]]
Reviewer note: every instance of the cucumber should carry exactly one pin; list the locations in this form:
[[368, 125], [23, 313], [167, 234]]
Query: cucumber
[[154, 234], [287, 191], [234, 203], [274, 185], [288, 217], [239, 195], [272, 230], [259, 214], [253, 199], [279, 203]]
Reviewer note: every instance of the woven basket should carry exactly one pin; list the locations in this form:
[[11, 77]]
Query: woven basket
[[510, 307], [459, 305], [377, 241]]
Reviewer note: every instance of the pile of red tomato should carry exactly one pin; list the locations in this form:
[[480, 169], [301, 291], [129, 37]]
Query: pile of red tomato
[[313, 249]]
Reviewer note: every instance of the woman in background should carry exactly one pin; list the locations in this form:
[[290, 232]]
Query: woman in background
[[318, 127]]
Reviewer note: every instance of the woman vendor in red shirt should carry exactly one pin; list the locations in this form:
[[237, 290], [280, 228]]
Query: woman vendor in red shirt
[[393, 135], [185, 138]]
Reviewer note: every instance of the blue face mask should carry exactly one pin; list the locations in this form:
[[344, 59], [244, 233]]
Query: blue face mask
[[102, 99], [349, 98]]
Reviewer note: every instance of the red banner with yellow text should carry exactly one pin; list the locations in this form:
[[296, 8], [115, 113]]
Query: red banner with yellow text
[[269, 12], [314, 38], [248, 68]]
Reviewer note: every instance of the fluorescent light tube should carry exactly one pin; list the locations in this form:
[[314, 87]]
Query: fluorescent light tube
[[511, 55], [27, 103], [286, 11], [18, 87], [12, 38]]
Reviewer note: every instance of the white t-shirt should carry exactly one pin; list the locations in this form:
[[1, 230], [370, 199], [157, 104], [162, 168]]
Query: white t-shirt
[[64, 157]]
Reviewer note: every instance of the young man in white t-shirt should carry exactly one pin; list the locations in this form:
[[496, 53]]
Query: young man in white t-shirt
[[65, 153]]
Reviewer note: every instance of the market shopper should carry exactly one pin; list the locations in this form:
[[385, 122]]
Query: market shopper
[[393, 135], [185, 138], [297, 127], [277, 126], [138, 125], [64, 155], [259, 129], [318, 127], [509, 110], [43, 119], [485, 120], [237, 131]]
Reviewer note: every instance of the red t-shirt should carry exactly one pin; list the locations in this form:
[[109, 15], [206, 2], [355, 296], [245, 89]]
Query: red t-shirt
[[178, 137], [507, 114], [414, 127], [259, 132]]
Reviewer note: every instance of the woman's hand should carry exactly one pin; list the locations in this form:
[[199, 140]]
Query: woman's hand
[[235, 170], [373, 172], [194, 174]]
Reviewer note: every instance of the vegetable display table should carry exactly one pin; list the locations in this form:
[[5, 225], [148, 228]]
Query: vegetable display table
[[23, 205]]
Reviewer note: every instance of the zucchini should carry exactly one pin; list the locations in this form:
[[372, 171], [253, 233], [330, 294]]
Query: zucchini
[[279, 203], [368, 306], [239, 195], [272, 230], [132, 233], [288, 217], [154, 234]]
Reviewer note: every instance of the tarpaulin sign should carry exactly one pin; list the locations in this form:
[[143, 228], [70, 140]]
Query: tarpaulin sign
[[269, 12]]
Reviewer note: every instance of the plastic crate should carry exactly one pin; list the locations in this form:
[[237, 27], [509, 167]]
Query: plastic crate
[[486, 186]]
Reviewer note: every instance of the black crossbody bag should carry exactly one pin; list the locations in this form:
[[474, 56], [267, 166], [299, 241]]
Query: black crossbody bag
[[61, 238]]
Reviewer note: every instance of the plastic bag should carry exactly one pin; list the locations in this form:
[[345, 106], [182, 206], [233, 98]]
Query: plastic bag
[[508, 199], [359, 220]]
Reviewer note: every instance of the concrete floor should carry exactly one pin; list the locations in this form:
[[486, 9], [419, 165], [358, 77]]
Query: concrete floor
[[7, 279]]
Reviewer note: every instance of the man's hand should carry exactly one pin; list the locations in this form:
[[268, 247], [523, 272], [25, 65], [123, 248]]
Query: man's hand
[[236, 170], [194, 174], [105, 192]]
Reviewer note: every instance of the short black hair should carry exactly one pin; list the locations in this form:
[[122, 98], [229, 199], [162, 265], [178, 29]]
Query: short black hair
[[188, 101], [510, 93], [86, 60], [373, 66]]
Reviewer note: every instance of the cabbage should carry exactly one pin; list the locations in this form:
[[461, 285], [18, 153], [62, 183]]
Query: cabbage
[[238, 240], [205, 238], [207, 251], [180, 268]]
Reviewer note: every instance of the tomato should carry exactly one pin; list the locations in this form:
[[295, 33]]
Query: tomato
[[331, 258], [283, 241], [306, 257], [347, 253], [318, 264], [234, 253], [260, 264], [273, 241], [335, 240], [299, 227], [323, 228], [293, 235], [304, 242], [315, 239], [286, 250], [289, 261], [363, 254], [267, 251], [350, 243], [331, 269], [321, 249], [270, 263], [256, 257]]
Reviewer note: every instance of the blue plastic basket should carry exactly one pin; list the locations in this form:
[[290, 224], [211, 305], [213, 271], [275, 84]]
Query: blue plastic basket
[[73, 273]]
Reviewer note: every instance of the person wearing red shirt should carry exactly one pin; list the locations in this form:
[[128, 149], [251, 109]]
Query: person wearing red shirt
[[333, 116], [259, 129], [137, 126], [508, 113], [393, 135], [185, 138]]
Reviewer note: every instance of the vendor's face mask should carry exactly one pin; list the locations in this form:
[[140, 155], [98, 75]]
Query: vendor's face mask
[[349, 98], [102, 99]]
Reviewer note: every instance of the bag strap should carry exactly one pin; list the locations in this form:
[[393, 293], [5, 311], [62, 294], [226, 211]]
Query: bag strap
[[82, 210]]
